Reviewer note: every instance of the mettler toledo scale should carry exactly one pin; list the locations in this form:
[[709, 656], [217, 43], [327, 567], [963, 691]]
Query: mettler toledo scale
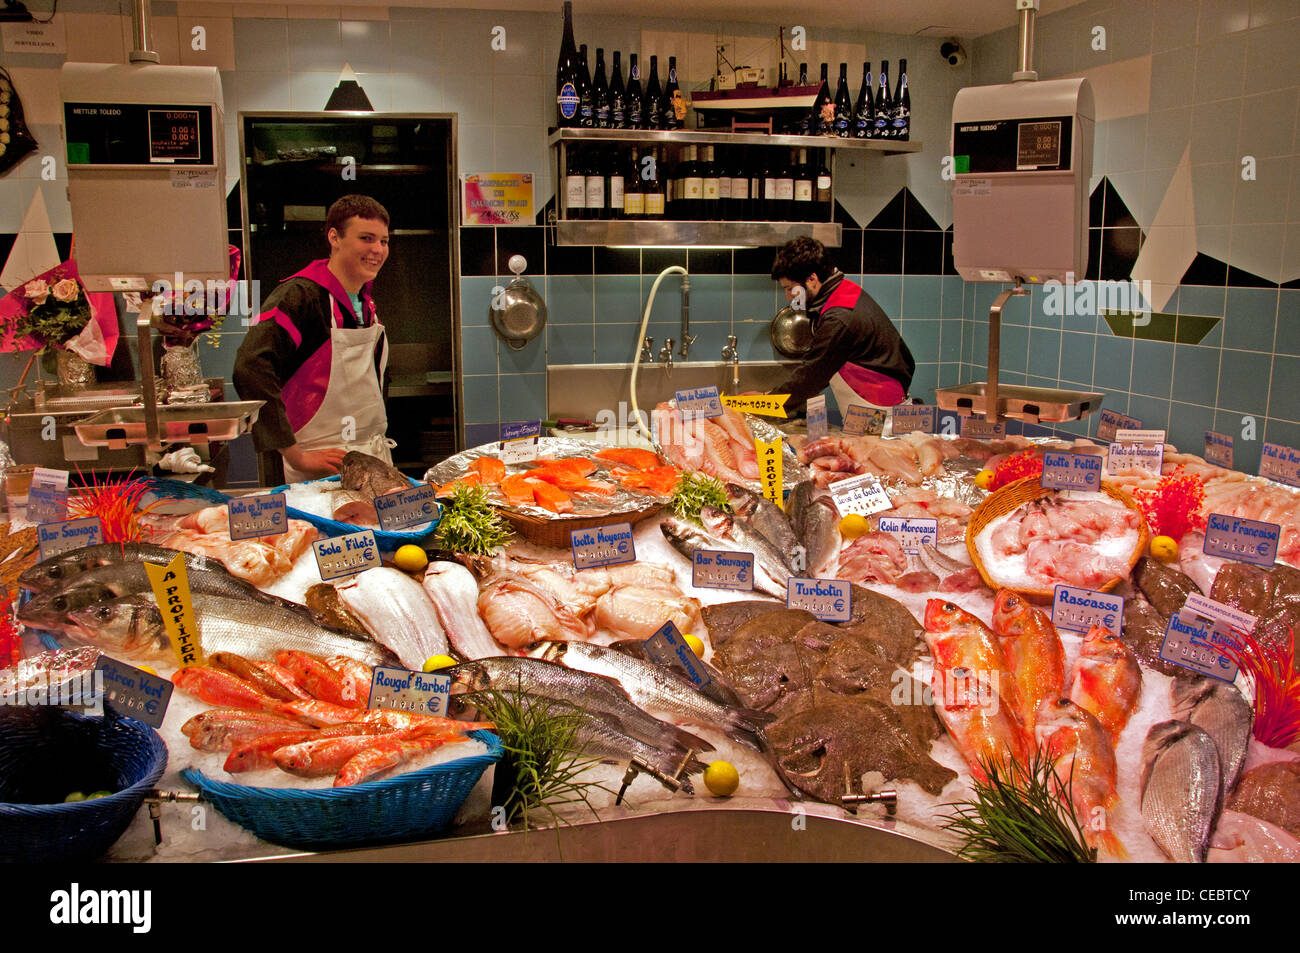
[[146, 173]]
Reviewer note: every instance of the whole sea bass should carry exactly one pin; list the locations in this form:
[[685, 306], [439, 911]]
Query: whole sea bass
[[816, 525], [766, 518], [59, 569], [689, 539], [724, 526], [133, 627]]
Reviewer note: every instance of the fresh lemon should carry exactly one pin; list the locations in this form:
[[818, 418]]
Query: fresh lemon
[[410, 558], [696, 644], [74, 797], [151, 671], [721, 779], [984, 479], [1164, 548], [435, 662], [853, 526], [98, 794]]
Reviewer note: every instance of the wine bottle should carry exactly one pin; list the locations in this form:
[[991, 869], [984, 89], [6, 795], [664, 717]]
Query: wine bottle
[[902, 119], [586, 111], [692, 186], [740, 196], [617, 97], [884, 110], [822, 198], [633, 197], [722, 165], [575, 187], [785, 187], [615, 184], [818, 122], [711, 186], [654, 190], [652, 107], [600, 92], [843, 105], [804, 177], [566, 74], [595, 181], [633, 96], [674, 106], [863, 117]]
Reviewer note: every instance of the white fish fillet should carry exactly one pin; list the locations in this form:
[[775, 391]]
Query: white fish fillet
[[454, 593], [398, 613]]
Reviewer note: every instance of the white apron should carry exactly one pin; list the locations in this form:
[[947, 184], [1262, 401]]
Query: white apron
[[354, 392], [847, 397]]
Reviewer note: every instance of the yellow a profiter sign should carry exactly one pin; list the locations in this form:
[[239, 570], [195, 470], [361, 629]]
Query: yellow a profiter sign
[[765, 405], [171, 587], [769, 470]]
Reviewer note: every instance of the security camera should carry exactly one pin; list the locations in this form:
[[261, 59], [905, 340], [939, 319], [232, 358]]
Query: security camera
[[952, 51]]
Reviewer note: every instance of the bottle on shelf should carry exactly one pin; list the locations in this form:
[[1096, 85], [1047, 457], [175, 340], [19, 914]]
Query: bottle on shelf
[[652, 108], [843, 105], [785, 185], [653, 187], [818, 122], [692, 197], [803, 74], [633, 196], [822, 194], [615, 184], [711, 186], [902, 119], [804, 181], [575, 186], [673, 187], [600, 92], [586, 110], [723, 168], [595, 185], [617, 97], [738, 200], [674, 105], [884, 106], [633, 98], [566, 74], [864, 120]]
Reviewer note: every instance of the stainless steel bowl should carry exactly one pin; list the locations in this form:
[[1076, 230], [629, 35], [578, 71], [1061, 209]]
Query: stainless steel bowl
[[791, 332], [518, 313]]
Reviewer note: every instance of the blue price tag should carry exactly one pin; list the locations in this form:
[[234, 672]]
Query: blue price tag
[[346, 555], [722, 569], [1110, 421], [696, 402], [1280, 463], [1218, 449], [425, 693], [133, 693], [55, 538], [602, 546], [405, 509], [1247, 541], [861, 420], [830, 600], [912, 533], [1197, 643], [1078, 610], [1071, 471], [254, 516], [667, 648], [521, 430], [46, 503]]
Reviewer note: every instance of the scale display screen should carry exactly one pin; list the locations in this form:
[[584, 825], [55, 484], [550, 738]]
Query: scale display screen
[[1038, 145], [138, 134], [1013, 145]]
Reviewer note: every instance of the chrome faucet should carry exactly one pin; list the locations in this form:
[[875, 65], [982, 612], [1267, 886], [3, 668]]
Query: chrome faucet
[[646, 345], [666, 352], [729, 353]]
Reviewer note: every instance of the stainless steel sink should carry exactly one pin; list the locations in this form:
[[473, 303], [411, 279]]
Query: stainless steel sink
[[584, 390]]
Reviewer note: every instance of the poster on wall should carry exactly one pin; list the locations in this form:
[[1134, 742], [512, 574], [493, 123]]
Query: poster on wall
[[496, 198]]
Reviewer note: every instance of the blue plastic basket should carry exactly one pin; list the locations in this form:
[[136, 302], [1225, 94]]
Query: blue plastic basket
[[416, 804], [387, 541], [45, 754]]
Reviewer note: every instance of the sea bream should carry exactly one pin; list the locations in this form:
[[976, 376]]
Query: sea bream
[[1222, 711], [1181, 789]]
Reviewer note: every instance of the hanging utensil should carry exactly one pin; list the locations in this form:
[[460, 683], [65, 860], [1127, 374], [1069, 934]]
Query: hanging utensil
[[518, 313], [791, 333]]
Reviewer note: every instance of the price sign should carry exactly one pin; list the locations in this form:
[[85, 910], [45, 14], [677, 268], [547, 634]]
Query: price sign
[[1135, 456], [722, 569], [1275, 462], [171, 588], [1198, 634], [132, 693], [519, 441], [1071, 471], [977, 428], [667, 648], [405, 509], [817, 425], [1247, 541], [914, 418], [602, 546], [253, 516], [1110, 422], [912, 533], [55, 538], [47, 499], [830, 600], [346, 555], [697, 402], [1218, 449], [765, 405], [862, 420], [771, 470], [861, 494], [1078, 610], [425, 693]]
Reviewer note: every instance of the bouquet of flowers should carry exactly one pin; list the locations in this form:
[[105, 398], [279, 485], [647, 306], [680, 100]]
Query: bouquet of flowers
[[53, 310], [181, 314]]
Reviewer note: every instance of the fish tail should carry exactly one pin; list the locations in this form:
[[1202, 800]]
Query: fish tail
[[745, 725], [691, 742]]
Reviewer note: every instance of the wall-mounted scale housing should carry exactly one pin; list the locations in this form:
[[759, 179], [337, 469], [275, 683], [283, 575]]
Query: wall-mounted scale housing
[[1022, 160]]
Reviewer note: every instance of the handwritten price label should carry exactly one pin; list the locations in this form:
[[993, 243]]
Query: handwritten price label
[[133, 693], [977, 428], [1111, 422], [864, 420], [1218, 449], [765, 405], [862, 495], [830, 600], [913, 418], [1247, 541], [602, 546], [404, 509], [1280, 463], [722, 569], [911, 534], [55, 538], [250, 517], [699, 402], [1080, 609]]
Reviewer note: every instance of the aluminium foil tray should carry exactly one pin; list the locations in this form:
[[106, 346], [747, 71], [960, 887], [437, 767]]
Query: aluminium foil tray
[[1030, 404], [177, 423]]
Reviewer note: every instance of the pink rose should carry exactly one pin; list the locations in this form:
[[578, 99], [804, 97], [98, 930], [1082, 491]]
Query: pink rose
[[37, 291], [66, 290]]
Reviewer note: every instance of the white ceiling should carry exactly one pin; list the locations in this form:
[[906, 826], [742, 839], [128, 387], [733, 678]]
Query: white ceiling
[[965, 18]]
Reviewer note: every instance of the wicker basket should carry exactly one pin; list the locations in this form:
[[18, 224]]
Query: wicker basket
[[554, 531], [1015, 495]]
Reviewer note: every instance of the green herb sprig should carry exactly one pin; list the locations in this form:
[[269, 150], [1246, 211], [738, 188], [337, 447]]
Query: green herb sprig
[[1020, 814], [470, 524], [696, 491]]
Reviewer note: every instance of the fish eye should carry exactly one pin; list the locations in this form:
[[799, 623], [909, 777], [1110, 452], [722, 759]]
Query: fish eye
[[103, 613], [56, 572], [59, 603], [949, 607]]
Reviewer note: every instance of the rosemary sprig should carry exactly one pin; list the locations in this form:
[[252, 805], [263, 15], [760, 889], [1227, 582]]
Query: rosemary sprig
[[470, 524], [1020, 814], [696, 491]]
